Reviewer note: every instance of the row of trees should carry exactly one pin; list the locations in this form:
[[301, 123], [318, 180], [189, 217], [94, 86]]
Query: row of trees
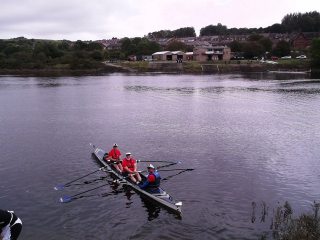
[[22, 53], [178, 33], [303, 22], [135, 46], [315, 53], [138, 46], [36, 54], [295, 22], [257, 46]]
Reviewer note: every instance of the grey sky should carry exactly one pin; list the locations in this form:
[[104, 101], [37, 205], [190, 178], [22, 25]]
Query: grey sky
[[103, 19]]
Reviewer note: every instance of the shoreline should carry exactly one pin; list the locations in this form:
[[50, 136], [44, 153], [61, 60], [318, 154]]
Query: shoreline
[[221, 67]]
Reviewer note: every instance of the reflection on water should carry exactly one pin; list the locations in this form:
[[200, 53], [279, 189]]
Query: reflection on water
[[250, 138], [153, 210], [300, 86]]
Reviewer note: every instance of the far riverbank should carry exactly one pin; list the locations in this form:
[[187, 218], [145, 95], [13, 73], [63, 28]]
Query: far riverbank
[[243, 66], [188, 67]]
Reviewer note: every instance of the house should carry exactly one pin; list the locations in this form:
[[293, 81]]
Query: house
[[111, 44], [303, 40], [162, 56], [211, 53], [189, 56], [147, 58], [163, 41], [189, 41], [178, 55], [300, 41]]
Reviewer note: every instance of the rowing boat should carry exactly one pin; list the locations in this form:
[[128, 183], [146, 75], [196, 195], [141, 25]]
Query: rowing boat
[[162, 198]]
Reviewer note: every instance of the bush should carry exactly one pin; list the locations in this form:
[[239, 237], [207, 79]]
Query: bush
[[305, 227]]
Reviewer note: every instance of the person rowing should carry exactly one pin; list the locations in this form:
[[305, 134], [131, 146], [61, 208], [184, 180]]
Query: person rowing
[[114, 157], [129, 165], [10, 225], [152, 182]]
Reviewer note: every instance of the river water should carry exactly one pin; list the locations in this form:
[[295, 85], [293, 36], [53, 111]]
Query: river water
[[251, 139]]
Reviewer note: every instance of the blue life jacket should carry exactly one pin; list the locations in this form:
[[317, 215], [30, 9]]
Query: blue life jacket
[[156, 183]]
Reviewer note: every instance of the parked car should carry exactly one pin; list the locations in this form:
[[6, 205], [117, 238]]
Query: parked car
[[286, 57], [237, 58], [301, 57], [274, 58]]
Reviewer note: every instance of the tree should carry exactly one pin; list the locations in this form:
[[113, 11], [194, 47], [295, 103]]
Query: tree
[[275, 28], [184, 32], [153, 47], [138, 46], [146, 47], [97, 55], [252, 49], [92, 46], [136, 40], [160, 34], [301, 22], [79, 45], [254, 37], [281, 49], [235, 46], [176, 46], [266, 43], [315, 53], [212, 30], [64, 45], [179, 33], [50, 49]]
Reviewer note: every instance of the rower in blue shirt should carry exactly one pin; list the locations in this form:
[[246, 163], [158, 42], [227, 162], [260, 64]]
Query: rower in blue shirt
[[152, 182]]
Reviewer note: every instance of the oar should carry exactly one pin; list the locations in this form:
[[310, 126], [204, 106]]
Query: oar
[[168, 165], [62, 186], [66, 199], [158, 161], [91, 181], [171, 176], [178, 169]]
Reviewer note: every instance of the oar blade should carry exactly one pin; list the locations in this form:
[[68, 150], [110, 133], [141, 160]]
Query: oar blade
[[65, 199], [59, 187]]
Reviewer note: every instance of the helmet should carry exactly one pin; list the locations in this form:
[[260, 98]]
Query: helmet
[[115, 145], [151, 166], [128, 153]]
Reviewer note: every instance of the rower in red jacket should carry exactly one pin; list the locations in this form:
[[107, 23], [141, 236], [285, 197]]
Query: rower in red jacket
[[152, 182], [129, 165], [114, 156]]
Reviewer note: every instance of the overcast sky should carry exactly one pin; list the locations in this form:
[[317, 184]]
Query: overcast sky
[[104, 19]]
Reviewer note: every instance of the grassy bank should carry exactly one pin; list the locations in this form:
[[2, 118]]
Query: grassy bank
[[60, 70], [218, 66], [188, 67]]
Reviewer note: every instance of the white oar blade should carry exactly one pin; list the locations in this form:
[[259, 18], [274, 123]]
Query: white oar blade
[[65, 199], [59, 187]]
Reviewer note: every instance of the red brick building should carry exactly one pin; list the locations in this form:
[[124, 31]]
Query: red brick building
[[300, 41]]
